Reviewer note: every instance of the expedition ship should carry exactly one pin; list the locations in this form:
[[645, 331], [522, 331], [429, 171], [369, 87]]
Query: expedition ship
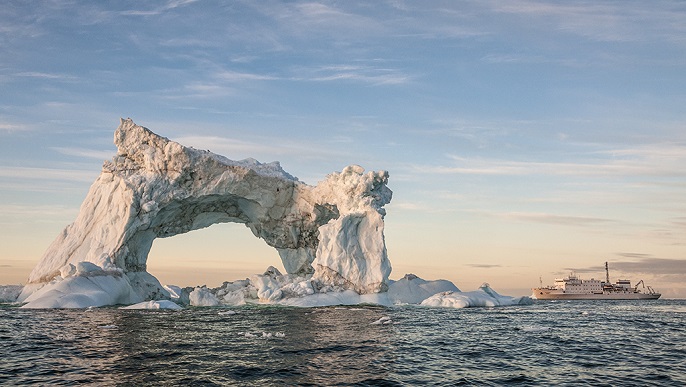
[[574, 288]]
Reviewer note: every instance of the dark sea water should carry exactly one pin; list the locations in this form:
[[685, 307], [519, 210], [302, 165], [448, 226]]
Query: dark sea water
[[608, 343]]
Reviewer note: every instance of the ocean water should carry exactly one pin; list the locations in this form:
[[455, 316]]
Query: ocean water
[[608, 343]]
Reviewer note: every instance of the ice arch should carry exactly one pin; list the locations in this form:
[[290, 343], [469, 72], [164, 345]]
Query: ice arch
[[157, 188]]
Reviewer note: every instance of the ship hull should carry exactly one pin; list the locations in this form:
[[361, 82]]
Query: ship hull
[[544, 294]]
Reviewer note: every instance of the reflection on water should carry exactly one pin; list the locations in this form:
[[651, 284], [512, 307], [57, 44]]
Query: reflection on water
[[541, 344]]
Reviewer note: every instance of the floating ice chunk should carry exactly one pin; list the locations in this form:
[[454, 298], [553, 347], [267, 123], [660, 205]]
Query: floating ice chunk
[[382, 321], [268, 288], [161, 304], [413, 290], [408, 290], [448, 300], [84, 291], [227, 312], [201, 296], [9, 293], [263, 335], [485, 296], [347, 297], [297, 289], [234, 298], [175, 292]]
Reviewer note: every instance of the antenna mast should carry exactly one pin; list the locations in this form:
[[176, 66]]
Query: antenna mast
[[607, 274]]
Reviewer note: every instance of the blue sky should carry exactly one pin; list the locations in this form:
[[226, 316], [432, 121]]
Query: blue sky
[[523, 139]]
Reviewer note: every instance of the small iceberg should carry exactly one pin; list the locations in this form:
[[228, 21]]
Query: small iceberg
[[484, 297], [161, 304]]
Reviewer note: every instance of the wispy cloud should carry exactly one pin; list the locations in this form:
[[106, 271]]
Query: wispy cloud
[[329, 19], [638, 263], [226, 146], [231, 147], [409, 206], [235, 76], [679, 221], [652, 265], [169, 5], [42, 75], [609, 22], [590, 269], [30, 173], [85, 153], [201, 90], [635, 255], [655, 160], [482, 265], [562, 220], [518, 58], [11, 128], [365, 74], [13, 210]]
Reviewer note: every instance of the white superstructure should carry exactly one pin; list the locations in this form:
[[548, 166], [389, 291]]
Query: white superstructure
[[574, 288]]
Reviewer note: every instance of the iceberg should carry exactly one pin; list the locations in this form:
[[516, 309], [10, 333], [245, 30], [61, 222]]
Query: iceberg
[[484, 296], [330, 237], [157, 188]]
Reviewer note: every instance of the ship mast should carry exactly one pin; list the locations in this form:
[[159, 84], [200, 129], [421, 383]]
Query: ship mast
[[607, 274]]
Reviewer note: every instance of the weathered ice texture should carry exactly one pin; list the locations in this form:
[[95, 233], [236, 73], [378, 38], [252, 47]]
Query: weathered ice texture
[[157, 188]]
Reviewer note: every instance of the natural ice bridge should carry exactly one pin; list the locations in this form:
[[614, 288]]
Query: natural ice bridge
[[157, 188]]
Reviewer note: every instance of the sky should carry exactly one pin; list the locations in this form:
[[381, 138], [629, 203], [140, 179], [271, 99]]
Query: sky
[[524, 139]]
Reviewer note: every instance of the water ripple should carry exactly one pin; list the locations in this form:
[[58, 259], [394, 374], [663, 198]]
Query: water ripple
[[570, 343]]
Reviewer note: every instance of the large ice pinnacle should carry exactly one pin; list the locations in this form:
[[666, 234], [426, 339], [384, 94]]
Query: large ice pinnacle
[[157, 188]]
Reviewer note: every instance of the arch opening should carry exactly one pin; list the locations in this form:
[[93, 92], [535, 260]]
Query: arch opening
[[210, 256]]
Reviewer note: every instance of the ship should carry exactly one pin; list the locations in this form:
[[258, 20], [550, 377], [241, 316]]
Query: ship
[[574, 288]]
